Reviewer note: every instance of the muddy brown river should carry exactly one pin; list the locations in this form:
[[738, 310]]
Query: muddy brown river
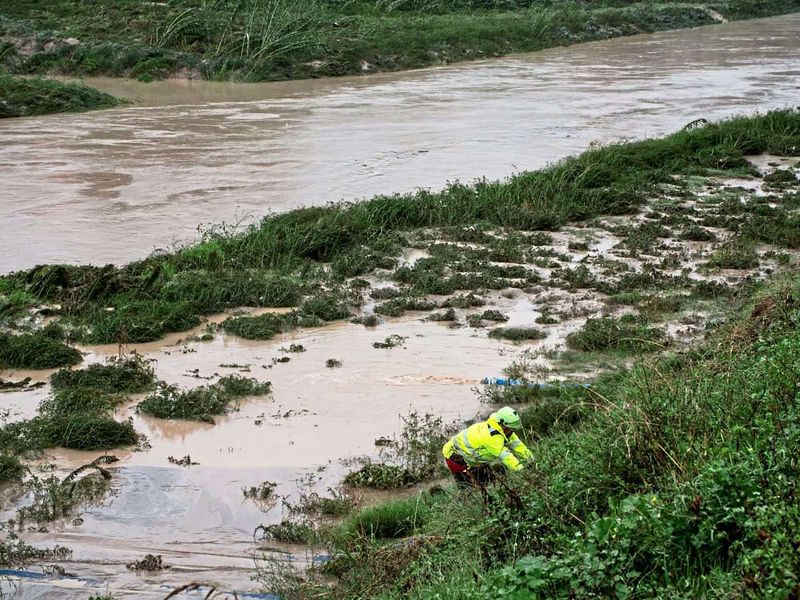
[[111, 186]]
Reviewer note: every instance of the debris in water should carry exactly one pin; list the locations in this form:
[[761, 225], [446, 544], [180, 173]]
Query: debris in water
[[186, 461], [333, 363], [390, 342], [149, 563]]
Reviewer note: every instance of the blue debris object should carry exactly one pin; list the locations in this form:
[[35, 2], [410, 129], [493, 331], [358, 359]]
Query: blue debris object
[[505, 381]]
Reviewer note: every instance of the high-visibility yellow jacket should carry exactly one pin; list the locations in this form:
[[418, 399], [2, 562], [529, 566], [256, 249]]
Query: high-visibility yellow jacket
[[484, 443]]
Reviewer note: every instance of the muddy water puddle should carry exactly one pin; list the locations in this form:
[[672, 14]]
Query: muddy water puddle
[[112, 186], [196, 516]]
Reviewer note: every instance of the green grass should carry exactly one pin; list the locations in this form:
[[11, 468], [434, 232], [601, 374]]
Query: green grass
[[201, 403], [22, 97], [35, 351], [78, 412], [517, 334], [283, 39]]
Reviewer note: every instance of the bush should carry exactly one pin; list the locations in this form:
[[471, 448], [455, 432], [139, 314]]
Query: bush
[[35, 351], [201, 403], [10, 468], [517, 334], [84, 432], [609, 333], [124, 376], [262, 327], [380, 477], [737, 253]]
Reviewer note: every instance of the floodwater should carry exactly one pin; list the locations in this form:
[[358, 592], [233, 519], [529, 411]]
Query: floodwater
[[112, 186], [316, 417]]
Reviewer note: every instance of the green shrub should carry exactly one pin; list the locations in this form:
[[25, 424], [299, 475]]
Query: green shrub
[[517, 334], [83, 432], [737, 253], [610, 333], [266, 326], [380, 477], [200, 403], [10, 468], [120, 375]]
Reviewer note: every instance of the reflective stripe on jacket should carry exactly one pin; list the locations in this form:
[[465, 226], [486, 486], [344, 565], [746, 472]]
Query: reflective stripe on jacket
[[484, 443]]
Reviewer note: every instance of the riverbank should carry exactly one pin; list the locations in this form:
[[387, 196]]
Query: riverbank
[[25, 97], [261, 40]]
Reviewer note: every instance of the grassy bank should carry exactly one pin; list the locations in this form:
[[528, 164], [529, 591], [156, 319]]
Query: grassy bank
[[23, 97], [279, 261], [677, 479], [287, 39]]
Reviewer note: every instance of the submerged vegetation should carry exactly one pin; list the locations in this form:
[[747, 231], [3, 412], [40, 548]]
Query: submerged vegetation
[[201, 403], [24, 97], [289, 39], [35, 351]]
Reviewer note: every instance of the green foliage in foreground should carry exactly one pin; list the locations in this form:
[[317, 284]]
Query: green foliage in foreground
[[21, 97], [278, 260], [679, 481], [289, 39], [35, 351], [200, 403]]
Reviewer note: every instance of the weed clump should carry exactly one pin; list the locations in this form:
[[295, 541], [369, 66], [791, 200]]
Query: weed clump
[[35, 351], [380, 477], [10, 468], [390, 342], [23, 97], [201, 403], [626, 334], [262, 327], [737, 253], [130, 375], [517, 334]]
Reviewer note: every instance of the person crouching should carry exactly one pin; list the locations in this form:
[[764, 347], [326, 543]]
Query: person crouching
[[471, 453]]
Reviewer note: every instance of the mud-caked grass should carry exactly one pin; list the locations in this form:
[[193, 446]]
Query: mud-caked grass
[[35, 351], [202, 403]]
